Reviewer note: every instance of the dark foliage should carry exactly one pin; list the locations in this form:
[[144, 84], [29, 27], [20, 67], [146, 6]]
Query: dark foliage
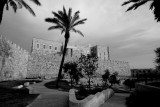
[[105, 76], [143, 99], [63, 85], [71, 68], [113, 78], [157, 60], [16, 4], [130, 83], [154, 5], [84, 92]]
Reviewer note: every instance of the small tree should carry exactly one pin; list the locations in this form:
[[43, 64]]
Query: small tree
[[113, 78], [88, 65], [71, 69], [105, 76]]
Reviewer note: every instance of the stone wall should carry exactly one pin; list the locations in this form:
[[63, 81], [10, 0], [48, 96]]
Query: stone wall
[[15, 65], [40, 64], [121, 67], [48, 65]]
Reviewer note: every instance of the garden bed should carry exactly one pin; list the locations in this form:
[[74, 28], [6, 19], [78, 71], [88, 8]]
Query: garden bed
[[83, 92]]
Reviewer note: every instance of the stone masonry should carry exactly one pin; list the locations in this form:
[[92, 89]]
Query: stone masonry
[[47, 64], [16, 65], [45, 57]]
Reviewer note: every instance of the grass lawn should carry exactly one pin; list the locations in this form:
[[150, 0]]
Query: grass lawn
[[15, 97]]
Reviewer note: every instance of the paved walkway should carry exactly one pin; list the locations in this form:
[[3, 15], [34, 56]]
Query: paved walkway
[[117, 100], [49, 97]]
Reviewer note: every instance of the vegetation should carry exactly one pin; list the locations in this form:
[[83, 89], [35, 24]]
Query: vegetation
[[130, 83], [113, 78], [105, 76], [16, 4], [5, 52], [88, 65], [153, 6], [71, 68], [66, 23], [157, 60]]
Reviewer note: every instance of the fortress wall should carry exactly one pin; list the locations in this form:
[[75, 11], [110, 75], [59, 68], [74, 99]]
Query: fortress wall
[[40, 64], [48, 65], [16, 65], [121, 67]]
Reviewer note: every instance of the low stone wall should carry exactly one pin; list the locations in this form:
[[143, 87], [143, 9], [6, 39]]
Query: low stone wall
[[90, 101], [141, 87]]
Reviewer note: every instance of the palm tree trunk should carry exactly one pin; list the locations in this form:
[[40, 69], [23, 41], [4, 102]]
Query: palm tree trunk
[[63, 57], [2, 4]]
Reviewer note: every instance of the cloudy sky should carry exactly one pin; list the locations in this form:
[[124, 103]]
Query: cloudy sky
[[132, 36]]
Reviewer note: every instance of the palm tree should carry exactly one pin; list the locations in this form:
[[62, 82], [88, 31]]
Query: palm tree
[[153, 6], [5, 51], [66, 23], [16, 4]]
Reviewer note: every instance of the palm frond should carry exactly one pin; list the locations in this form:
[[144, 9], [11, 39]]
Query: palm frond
[[7, 6], [27, 7], [13, 5], [19, 4], [55, 27], [55, 21], [63, 30], [152, 5], [77, 31], [136, 5], [130, 1], [70, 14], [75, 17], [79, 22], [59, 16], [36, 2]]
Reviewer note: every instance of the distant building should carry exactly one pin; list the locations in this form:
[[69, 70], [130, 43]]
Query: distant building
[[46, 46], [140, 72], [100, 52], [48, 64]]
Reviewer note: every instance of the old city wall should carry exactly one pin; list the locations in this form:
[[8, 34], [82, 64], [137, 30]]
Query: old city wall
[[22, 64], [121, 67], [45, 65], [48, 65], [15, 66]]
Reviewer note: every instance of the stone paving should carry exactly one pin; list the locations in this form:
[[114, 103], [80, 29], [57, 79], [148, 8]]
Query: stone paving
[[49, 97]]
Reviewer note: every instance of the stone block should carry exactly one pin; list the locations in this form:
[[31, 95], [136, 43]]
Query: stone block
[[26, 84]]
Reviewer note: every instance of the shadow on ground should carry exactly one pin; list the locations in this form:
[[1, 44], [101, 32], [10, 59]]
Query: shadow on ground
[[142, 99], [15, 98], [63, 85]]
